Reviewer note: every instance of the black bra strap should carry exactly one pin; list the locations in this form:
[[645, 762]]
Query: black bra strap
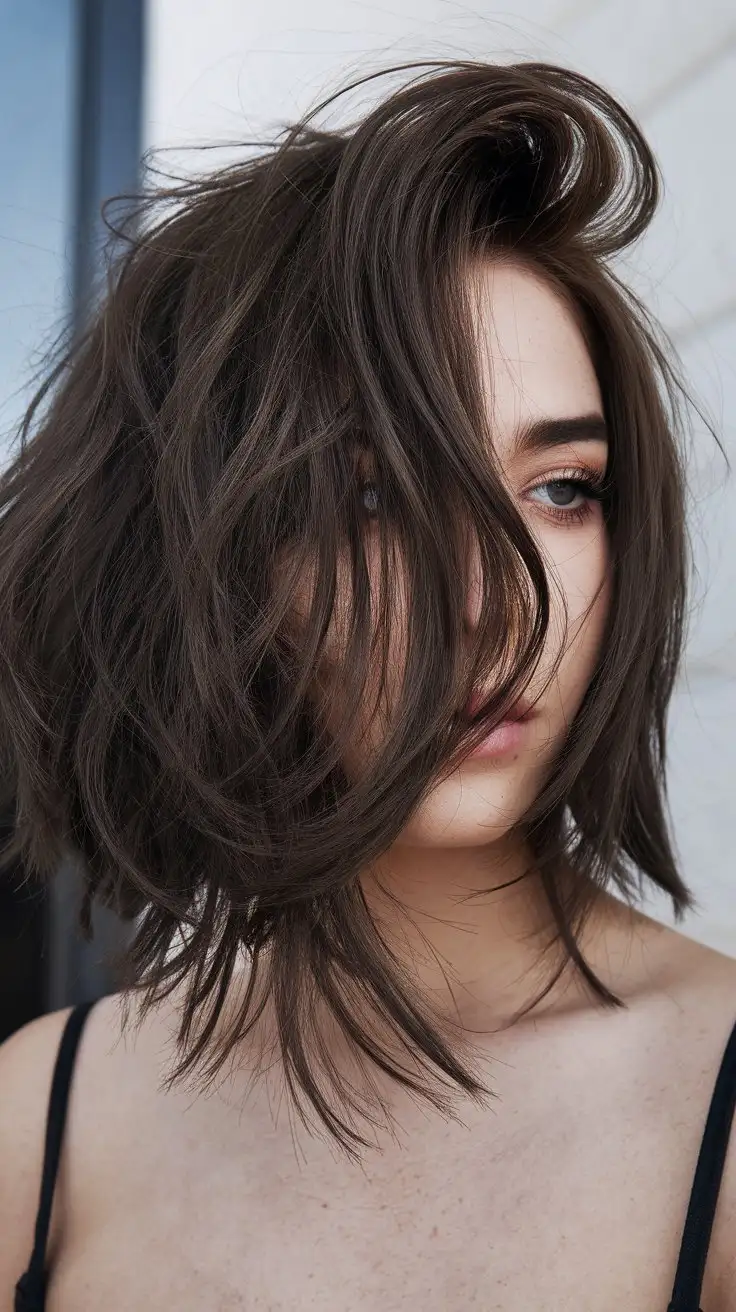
[[54, 1133], [706, 1186]]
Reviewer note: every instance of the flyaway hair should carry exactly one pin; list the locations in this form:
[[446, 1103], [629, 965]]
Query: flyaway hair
[[191, 457]]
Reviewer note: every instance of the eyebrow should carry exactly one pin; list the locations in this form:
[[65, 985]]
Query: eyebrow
[[555, 432]]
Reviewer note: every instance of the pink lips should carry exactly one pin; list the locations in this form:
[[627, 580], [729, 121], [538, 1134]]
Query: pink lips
[[507, 735]]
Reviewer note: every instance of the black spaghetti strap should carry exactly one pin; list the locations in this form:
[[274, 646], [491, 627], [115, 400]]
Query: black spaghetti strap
[[30, 1289], [706, 1186]]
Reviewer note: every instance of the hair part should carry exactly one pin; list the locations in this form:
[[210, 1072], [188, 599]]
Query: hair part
[[195, 459]]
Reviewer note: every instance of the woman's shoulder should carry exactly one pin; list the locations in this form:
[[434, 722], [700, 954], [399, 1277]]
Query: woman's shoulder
[[701, 977], [27, 1061], [711, 992], [104, 1078]]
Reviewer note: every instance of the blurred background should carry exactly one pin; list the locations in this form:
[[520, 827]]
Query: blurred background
[[87, 85]]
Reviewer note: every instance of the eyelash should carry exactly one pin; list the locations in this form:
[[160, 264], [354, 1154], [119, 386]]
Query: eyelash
[[590, 482]]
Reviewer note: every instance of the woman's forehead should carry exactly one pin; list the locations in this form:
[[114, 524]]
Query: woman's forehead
[[534, 362]]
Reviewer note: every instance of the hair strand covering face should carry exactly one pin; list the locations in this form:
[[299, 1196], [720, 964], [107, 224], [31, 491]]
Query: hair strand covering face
[[197, 455]]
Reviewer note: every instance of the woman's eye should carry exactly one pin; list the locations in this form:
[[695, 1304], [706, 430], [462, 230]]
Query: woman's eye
[[572, 496], [371, 494], [562, 490]]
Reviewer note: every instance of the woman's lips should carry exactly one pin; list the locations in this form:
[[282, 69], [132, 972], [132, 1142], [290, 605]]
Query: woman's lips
[[508, 735]]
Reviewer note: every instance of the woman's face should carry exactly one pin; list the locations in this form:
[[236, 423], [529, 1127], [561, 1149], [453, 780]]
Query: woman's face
[[535, 367]]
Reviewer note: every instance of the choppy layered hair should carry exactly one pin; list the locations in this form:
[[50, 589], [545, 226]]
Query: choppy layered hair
[[197, 455]]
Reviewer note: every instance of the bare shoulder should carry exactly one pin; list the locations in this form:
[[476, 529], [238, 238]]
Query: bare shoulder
[[701, 983], [722, 1254], [704, 980], [708, 980], [108, 1072], [27, 1060]]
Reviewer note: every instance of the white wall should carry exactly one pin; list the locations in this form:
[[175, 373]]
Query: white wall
[[230, 70]]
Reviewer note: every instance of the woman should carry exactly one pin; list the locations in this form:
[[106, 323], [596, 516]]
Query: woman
[[343, 594]]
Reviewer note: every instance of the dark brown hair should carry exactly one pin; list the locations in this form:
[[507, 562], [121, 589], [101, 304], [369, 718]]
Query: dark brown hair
[[197, 454]]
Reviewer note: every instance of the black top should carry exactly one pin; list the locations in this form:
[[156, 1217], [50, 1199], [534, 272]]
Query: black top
[[30, 1291]]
